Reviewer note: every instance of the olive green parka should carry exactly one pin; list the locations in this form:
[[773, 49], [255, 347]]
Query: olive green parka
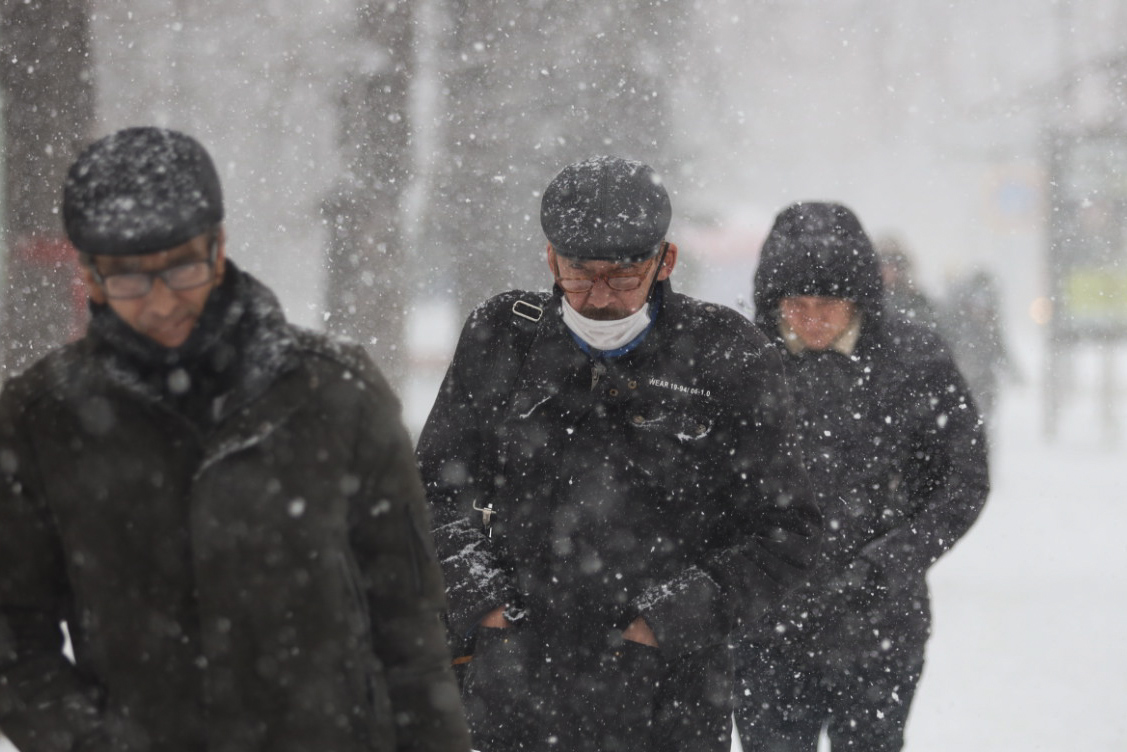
[[253, 571]]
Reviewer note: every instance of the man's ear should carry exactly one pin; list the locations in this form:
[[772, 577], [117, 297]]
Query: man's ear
[[220, 254], [668, 262], [93, 288], [552, 263]]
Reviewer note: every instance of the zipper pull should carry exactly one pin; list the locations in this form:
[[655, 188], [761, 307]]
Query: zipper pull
[[598, 368]]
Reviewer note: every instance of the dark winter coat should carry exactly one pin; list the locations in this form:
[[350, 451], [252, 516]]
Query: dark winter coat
[[661, 483], [972, 325], [896, 453], [249, 571]]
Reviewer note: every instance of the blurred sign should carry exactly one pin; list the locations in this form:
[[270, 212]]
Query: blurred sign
[[1015, 197], [52, 264], [45, 304], [1097, 296], [1088, 231]]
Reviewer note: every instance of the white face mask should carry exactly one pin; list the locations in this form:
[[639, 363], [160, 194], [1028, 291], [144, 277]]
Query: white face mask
[[606, 335]]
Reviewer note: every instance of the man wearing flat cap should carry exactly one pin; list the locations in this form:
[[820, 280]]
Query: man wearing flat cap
[[614, 485], [220, 509]]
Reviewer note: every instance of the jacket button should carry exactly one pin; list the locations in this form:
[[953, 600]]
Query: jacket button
[[612, 392], [700, 429], [638, 420], [632, 384]]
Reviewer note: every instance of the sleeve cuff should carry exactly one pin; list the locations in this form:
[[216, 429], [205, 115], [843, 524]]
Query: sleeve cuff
[[682, 612]]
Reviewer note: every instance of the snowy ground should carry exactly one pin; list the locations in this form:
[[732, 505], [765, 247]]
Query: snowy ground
[[1029, 650]]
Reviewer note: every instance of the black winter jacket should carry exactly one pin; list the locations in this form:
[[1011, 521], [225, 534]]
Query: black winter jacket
[[896, 453], [661, 483], [251, 572]]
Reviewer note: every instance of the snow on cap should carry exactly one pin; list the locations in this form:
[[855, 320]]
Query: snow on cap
[[140, 190], [606, 209]]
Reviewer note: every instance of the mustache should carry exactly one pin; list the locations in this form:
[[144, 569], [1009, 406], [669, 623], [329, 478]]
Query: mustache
[[610, 313]]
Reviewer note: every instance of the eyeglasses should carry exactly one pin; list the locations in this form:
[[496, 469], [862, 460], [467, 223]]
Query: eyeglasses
[[619, 282], [186, 276], [616, 282]]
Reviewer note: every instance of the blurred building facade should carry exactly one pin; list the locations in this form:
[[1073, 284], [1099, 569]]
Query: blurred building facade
[[377, 153], [371, 152], [48, 111]]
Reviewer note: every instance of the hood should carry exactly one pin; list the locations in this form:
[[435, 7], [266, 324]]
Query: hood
[[816, 248]]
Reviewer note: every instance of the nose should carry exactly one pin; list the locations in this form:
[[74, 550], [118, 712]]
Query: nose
[[601, 295], [161, 300]]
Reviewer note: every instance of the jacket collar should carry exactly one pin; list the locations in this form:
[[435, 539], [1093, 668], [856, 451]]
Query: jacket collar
[[241, 345]]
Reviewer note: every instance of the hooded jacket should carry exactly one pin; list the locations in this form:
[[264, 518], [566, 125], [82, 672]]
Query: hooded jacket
[[891, 436], [235, 538]]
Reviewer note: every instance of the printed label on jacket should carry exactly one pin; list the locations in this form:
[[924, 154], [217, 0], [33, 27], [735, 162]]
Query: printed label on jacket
[[692, 390]]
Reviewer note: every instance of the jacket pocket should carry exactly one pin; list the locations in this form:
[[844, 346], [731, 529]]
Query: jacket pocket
[[359, 615], [680, 424], [632, 674], [500, 656], [498, 690], [369, 679], [380, 724], [684, 435]]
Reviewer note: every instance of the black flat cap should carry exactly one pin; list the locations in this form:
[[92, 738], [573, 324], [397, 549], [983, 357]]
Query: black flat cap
[[140, 190], [606, 209]]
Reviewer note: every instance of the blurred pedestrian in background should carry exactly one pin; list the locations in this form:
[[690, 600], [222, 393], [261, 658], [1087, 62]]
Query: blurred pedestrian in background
[[972, 325], [902, 295], [896, 453]]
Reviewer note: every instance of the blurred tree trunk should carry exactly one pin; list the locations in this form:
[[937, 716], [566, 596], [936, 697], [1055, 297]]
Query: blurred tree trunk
[[529, 87], [366, 292], [523, 88], [48, 114]]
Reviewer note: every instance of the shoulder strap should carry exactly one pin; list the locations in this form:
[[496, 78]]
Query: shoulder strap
[[524, 311], [527, 311]]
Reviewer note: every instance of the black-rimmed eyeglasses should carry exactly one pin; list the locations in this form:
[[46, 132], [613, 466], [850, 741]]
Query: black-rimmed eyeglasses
[[186, 276]]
